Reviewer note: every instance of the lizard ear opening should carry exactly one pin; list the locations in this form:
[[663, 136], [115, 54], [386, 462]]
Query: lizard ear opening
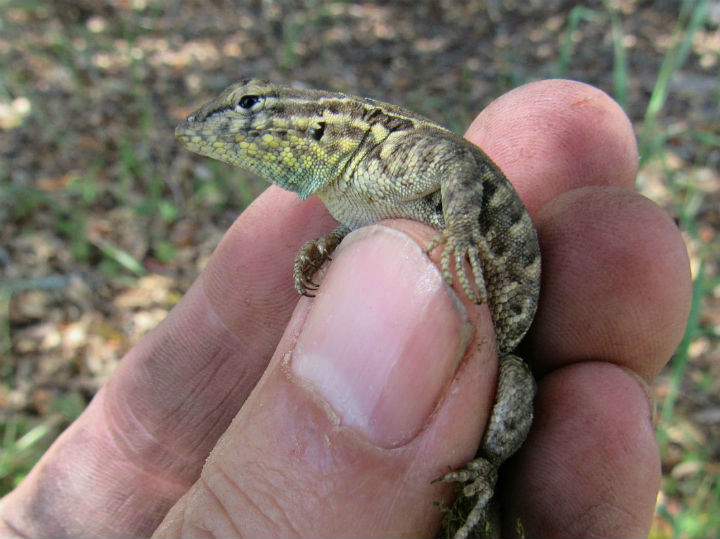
[[317, 131]]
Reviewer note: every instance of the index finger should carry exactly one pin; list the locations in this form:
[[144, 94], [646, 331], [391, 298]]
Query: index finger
[[146, 434]]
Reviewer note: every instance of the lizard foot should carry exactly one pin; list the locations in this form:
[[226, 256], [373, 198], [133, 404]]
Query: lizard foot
[[506, 431], [311, 256], [458, 250], [479, 477]]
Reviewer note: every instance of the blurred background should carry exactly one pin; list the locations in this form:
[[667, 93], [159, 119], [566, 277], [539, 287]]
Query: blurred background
[[105, 220]]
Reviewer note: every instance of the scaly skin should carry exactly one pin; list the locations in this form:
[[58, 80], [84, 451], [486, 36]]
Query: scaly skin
[[367, 161]]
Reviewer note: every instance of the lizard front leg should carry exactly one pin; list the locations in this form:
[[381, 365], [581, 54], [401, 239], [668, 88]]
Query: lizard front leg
[[459, 248], [312, 255], [506, 431], [463, 191]]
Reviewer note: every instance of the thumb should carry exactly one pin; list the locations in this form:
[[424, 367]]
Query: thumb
[[366, 401]]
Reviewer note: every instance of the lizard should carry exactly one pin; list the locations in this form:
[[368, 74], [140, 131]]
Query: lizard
[[368, 160]]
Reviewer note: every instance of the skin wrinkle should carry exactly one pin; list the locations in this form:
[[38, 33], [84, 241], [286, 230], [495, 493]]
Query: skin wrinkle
[[222, 404], [270, 507], [153, 450], [399, 492], [268, 477], [225, 350], [140, 456], [252, 347], [160, 364], [207, 487], [137, 458], [41, 508], [54, 488]]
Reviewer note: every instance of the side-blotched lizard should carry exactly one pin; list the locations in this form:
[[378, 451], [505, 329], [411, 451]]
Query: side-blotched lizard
[[367, 161]]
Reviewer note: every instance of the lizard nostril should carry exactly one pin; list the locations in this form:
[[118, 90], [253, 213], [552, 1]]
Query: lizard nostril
[[317, 131]]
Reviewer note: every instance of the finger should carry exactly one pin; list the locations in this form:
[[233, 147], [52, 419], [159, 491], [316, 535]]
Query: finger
[[145, 435], [359, 409], [616, 287], [590, 466], [553, 136], [616, 282], [616, 292]]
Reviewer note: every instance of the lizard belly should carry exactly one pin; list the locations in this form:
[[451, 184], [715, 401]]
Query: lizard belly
[[355, 215]]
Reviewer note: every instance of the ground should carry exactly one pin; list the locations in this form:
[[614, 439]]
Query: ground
[[106, 220]]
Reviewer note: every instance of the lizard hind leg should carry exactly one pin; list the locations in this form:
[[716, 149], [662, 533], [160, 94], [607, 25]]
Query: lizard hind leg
[[312, 255], [506, 431]]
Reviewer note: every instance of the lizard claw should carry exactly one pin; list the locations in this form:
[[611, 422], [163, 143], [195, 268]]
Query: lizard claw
[[459, 250], [479, 477], [311, 285], [310, 258]]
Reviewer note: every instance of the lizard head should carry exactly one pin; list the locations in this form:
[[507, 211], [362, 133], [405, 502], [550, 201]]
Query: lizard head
[[298, 139]]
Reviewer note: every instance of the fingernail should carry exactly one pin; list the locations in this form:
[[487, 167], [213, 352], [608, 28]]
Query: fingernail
[[383, 338]]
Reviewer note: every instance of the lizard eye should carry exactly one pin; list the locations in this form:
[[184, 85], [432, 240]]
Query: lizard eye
[[317, 131], [247, 101]]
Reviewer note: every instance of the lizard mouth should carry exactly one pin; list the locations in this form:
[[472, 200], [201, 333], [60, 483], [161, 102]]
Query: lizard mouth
[[190, 132], [185, 131]]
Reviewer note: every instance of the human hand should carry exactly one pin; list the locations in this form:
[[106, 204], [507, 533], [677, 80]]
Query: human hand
[[247, 412]]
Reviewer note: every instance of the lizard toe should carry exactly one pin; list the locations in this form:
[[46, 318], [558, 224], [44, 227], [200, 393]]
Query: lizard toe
[[478, 478]]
